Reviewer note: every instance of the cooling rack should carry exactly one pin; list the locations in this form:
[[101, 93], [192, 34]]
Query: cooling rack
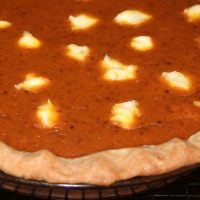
[[174, 185]]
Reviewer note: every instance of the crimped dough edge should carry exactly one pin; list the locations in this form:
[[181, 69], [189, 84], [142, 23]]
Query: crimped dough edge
[[103, 168]]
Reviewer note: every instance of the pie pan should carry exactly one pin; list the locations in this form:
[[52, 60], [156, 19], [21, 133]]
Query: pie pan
[[125, 188]]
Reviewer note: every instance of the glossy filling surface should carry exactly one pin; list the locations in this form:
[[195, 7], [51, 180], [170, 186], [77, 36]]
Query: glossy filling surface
[[61, 91]]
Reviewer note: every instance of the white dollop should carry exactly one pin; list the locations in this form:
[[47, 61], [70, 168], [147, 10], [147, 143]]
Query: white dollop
[[33, 83], [5, 24], [176, 80], [114, 70], [47, 115], [125, 114], [132, 17], [196, 103], [82, 22], [192, 13], [76, 52], [142, 43], [28, 41]]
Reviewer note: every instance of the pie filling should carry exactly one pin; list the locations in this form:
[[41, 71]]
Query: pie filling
[[82, 76]]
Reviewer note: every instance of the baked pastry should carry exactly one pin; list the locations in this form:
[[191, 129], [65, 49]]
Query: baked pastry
[[98, 91]]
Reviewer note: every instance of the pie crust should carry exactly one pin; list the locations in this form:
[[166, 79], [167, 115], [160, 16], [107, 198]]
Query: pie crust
[[103, 168]]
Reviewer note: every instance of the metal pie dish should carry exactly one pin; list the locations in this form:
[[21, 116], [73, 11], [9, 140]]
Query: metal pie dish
[[124, 188]]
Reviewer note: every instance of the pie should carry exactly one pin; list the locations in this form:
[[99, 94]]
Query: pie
[[98, 91]]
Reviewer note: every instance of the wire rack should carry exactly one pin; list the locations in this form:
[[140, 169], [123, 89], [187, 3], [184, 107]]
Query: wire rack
[[187, 187]]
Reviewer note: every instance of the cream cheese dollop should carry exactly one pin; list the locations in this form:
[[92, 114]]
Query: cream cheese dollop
[[28, 41], [125, 114], [114, 70], [176, 80], [132, 17], [142, 43], [76, 52], [82, 22], [5, 24], [47, 115], [192, 13], [33, 83]]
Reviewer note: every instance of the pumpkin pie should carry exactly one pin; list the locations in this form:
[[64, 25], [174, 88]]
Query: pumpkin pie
[[98, 91]]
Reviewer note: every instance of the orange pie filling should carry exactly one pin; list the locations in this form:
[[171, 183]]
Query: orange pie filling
[[81, 77]]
